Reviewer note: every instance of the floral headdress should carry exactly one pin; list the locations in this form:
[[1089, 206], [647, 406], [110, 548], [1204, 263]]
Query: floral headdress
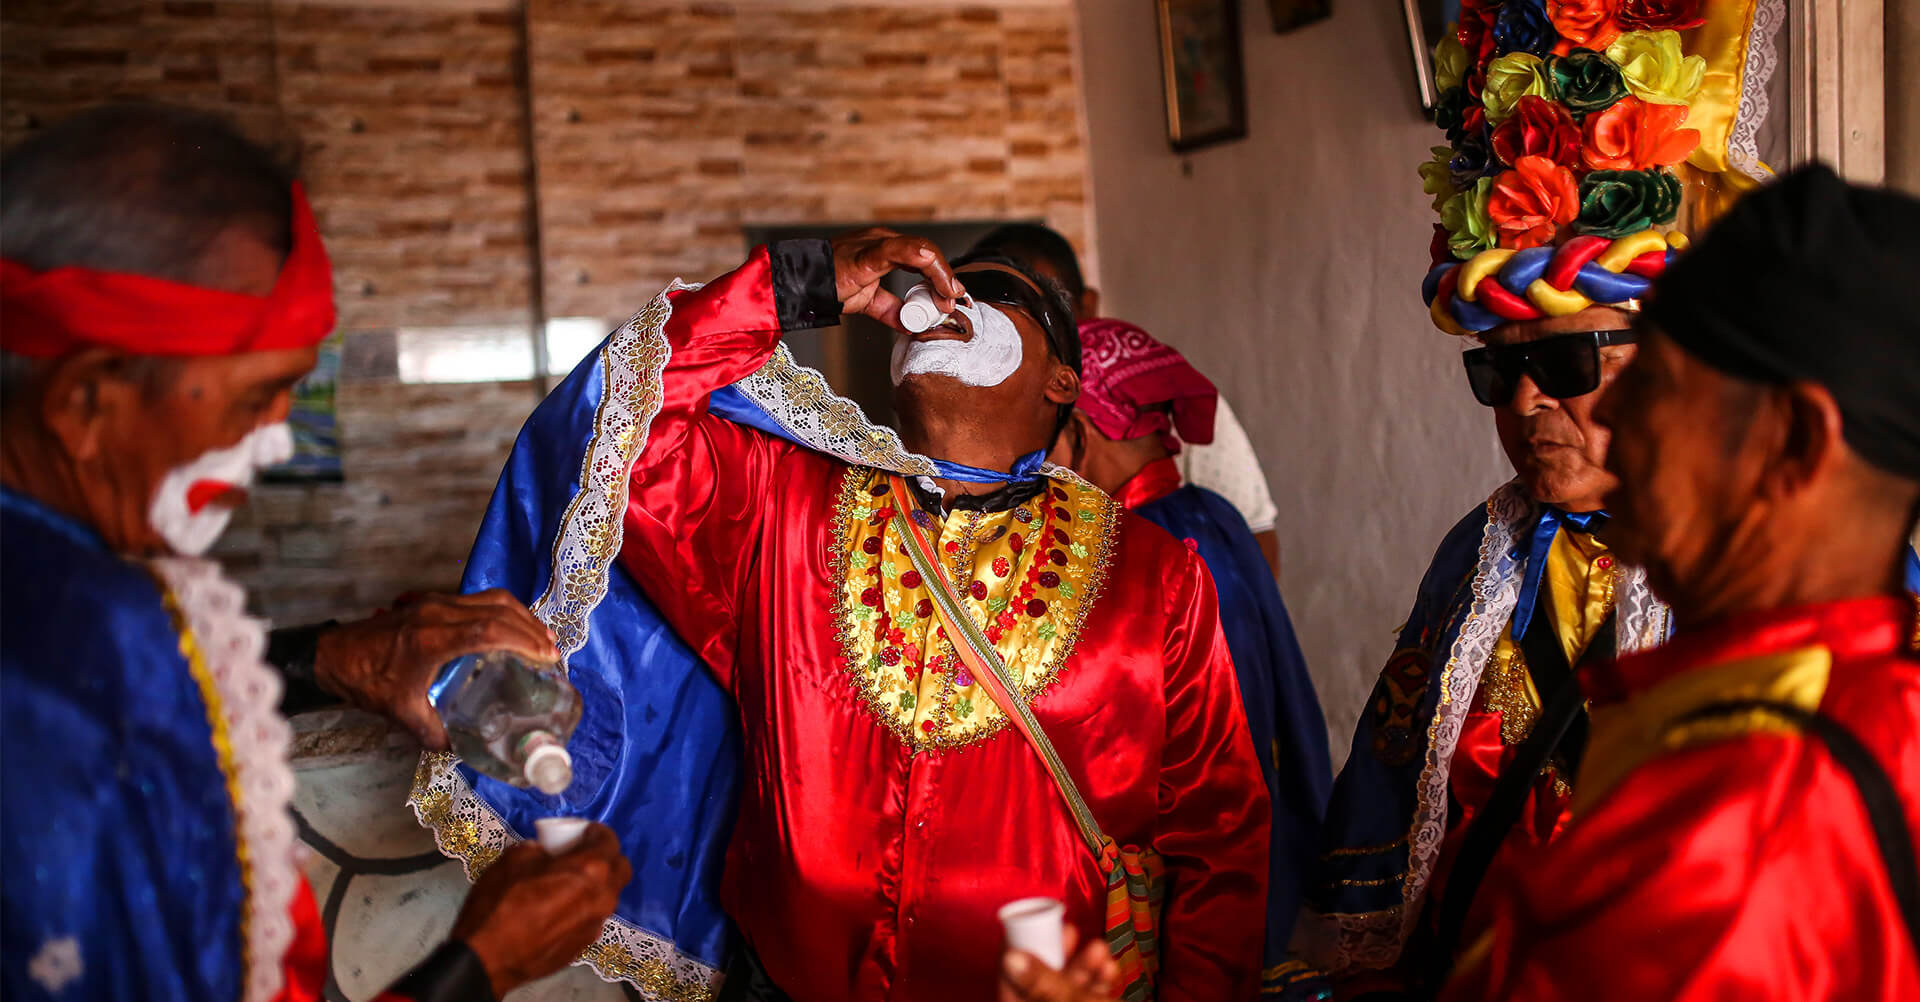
[[1571, 123]]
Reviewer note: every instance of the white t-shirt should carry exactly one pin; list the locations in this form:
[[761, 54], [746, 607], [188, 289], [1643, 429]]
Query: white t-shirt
[[1228, 467]]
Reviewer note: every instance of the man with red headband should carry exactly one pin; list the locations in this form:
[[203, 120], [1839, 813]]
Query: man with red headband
[[1140, 404], [164, 287]]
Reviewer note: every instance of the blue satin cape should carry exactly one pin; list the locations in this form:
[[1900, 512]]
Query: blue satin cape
[[116, 828]]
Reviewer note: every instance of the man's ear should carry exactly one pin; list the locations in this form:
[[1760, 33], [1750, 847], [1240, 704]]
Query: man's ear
[[1810, 447], [81, 395], [1089, 305], [1063, 387]]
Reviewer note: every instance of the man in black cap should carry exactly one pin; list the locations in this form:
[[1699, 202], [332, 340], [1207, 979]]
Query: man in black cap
[[1742, 825]]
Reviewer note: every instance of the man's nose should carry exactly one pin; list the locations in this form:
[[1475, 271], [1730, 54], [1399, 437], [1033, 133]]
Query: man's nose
[[1528, 400]]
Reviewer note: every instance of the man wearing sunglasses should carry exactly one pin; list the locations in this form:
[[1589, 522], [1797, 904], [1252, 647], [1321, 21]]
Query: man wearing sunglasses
[[773, 607], [1551, 233], [1744, 823]]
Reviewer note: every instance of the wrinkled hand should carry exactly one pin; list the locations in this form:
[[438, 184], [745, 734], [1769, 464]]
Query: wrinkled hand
[[385, 664], [532, 913], [1091, 975], [862, 258]]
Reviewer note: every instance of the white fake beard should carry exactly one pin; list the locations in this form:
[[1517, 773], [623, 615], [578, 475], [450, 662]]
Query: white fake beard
[[986, 359], [189, 528]]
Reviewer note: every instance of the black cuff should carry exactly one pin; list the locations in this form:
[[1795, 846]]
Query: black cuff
[[452, 973], [292, 651], [804, 293]]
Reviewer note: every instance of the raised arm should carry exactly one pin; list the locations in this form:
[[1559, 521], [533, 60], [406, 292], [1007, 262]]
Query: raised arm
[[699, 488]]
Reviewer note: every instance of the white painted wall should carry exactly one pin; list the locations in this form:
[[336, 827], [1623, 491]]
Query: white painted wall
[[1287, 267]]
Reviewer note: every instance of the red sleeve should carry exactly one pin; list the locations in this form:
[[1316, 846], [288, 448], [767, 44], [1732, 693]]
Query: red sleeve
[[1214, 815], [697, 494], [1740, 870]]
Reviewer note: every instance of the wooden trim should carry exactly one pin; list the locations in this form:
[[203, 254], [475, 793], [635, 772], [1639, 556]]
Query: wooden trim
[[1838, 53]]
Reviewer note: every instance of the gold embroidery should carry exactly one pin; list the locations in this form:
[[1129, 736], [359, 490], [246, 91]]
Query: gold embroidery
[[1508, 689], [1029, 576]]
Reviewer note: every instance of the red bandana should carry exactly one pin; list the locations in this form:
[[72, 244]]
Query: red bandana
[[51, 313], [1126, 375]]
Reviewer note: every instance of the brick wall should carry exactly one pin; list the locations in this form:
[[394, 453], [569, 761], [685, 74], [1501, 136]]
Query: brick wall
[[659, 130]]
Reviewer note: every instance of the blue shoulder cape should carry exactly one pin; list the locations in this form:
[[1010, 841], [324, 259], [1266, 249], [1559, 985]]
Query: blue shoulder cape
[[117, 829]]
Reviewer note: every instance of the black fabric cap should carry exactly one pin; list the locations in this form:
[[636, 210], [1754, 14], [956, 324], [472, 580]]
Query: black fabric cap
[[1812, 278]]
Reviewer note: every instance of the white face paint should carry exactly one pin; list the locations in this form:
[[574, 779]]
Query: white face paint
[[184, 511], [986, 359]]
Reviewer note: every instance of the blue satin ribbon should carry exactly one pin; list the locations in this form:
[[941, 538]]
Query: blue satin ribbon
[[1025, 468], [1551, 522]]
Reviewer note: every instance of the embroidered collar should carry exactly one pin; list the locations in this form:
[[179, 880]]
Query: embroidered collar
[[1029, 574]]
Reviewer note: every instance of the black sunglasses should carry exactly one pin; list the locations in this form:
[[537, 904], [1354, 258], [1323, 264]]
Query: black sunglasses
[[1562, 366]]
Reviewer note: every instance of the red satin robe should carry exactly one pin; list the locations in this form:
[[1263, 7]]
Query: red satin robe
[[1731, 862], [861, 868]]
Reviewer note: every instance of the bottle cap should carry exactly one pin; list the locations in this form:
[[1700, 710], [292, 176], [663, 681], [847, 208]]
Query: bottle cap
[[550, 769]]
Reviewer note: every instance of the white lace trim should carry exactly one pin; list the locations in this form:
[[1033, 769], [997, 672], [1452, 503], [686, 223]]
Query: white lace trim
[[464, 826], [1496, 590], [466, 829], [230, 646], [1337, 942], [1762, 59], [594, 523], [801, 401]]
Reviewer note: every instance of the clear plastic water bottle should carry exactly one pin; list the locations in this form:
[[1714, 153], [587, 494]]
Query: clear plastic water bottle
[[509, 718]]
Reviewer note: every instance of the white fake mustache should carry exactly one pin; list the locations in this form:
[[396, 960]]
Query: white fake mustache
[[181, 511], [988, 358]]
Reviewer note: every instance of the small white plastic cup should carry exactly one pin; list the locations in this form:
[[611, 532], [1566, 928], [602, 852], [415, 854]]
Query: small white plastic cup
[[558, 835], [918, 313], [1037, 926]]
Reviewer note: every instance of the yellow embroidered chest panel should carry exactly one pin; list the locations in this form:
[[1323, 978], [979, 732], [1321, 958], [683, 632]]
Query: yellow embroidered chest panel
[[1028, 576]]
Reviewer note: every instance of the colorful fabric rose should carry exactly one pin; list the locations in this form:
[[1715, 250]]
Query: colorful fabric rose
[[1654, 68], [1523, 26], [1436, 176], [1615, 203], [1587, 81], [1510, 78], [1472, 159], [1635, 135], [1469, 230], [1538, 128], [1589, 24], [1531, 202], [1661, 15], [1475, 28], [1450, 63]]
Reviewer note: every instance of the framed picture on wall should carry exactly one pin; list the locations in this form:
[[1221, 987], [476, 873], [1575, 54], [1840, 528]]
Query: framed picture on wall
[[1200, 61], [1426, 21]]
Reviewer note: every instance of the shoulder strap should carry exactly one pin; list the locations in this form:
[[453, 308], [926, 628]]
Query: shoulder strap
[[1885, 813], [1562, 722], [987, 667]]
